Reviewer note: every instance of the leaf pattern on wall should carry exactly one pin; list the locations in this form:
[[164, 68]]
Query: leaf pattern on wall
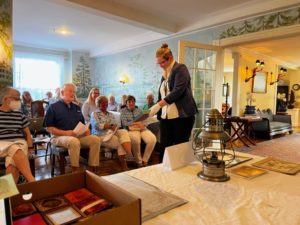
[[266, 22]]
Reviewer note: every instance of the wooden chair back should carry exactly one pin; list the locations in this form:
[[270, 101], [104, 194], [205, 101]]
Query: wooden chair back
[[38, 108]]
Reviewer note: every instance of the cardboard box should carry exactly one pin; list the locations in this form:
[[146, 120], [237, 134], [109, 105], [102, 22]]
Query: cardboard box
[[126, 210]]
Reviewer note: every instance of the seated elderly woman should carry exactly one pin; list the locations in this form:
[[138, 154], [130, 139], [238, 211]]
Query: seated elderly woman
[[103, 124], [137, 131], [15, 136]]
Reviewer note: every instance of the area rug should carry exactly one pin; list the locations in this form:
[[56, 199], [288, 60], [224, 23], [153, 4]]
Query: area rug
[[285, 148]]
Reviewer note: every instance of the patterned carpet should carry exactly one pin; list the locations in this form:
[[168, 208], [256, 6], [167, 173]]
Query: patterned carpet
[[286, 148]]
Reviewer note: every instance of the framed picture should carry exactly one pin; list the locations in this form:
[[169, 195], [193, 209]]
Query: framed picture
[[259, 84], [278, 165], [63, 216]]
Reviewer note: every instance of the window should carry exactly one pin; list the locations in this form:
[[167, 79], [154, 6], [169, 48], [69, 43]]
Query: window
[[37, 73]]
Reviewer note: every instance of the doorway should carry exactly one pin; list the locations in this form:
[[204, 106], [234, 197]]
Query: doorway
[[282, 48]]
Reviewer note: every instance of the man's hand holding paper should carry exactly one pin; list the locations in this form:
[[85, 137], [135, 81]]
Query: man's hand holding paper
[[81, 129]]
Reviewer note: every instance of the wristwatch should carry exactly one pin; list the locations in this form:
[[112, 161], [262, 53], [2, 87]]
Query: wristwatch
[[296, 87]]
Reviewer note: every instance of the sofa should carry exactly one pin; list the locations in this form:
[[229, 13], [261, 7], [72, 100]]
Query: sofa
[[271, 124]]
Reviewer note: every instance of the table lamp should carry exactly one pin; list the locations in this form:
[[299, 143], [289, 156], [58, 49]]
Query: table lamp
[[209, 147]]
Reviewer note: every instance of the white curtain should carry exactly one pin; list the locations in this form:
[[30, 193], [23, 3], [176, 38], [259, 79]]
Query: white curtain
[[37, 73]]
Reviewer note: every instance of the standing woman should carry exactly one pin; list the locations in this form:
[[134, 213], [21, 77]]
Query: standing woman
[[176, 106], [89, 105]]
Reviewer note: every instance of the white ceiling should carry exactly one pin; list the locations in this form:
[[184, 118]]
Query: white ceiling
[[106, 26]]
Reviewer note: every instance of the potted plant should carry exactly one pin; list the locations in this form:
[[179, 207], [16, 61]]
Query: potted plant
[[250, 109], [292, 101]]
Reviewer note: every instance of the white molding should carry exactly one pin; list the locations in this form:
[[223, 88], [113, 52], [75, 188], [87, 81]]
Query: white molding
[[282, 32]]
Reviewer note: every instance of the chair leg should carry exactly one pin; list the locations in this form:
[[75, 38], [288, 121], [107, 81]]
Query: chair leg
[[52, 159], [47, 146], [62, 163]]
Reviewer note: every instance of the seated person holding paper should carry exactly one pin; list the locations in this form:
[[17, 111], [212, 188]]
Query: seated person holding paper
[[61, 119], [15, 136], [104, 125], [137, 131]]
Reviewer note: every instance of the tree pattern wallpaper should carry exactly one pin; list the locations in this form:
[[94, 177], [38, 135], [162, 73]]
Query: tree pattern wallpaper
[[82, 77], [5, 43]]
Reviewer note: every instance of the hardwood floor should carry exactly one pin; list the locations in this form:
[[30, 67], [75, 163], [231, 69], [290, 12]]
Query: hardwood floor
[[107, 165]]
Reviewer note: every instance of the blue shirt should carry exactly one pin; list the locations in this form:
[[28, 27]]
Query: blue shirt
[[63, 116], [99, 119]]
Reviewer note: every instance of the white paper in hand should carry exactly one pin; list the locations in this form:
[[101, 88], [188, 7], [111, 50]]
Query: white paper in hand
[[81, 128], [154, 109], [110, 133]]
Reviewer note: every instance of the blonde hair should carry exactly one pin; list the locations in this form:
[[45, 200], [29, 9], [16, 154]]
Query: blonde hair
[[100, 99], [89, 98], [164, 51]]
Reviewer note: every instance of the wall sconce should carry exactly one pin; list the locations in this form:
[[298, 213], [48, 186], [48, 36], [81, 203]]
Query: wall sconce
[[258, 68], [124, 79], [283, 72]]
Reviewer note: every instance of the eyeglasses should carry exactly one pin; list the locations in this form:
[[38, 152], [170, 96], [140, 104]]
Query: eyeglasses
[[162, 62]]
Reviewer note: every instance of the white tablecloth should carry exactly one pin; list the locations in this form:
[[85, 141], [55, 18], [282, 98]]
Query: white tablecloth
[[273, 198]]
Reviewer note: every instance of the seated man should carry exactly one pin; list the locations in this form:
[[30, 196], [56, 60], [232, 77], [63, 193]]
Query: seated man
[[137, 131], [150, 102], [61, 118], [15, 136]]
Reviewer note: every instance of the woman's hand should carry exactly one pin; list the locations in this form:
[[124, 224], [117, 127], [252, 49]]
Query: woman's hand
[[154, 109], [138, 124], [110, 126]]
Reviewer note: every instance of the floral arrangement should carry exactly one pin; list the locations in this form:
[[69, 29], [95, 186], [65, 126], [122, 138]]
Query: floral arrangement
[[281, 102], [281, 97], [249, 98]]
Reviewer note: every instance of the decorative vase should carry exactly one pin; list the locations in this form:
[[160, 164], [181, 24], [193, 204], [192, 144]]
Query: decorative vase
[[250, 109]]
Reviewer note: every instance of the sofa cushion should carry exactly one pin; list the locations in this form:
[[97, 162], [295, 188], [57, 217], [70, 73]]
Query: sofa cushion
[[265, 114], [279, 125]]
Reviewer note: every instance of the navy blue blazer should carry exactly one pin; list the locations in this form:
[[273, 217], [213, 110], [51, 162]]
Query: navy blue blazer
[[179, 83]]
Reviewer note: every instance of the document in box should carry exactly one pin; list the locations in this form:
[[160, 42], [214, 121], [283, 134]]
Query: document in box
[[81, 128]]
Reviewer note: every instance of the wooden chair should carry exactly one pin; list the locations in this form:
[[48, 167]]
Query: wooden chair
[[60, 153], [39, 134], [38, 108]]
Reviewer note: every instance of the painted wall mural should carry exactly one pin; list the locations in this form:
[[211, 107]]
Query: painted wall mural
[[81, 74], [144, 74], [265, 22], [5, 43]]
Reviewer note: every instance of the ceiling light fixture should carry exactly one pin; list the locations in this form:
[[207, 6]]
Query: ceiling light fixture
[[63, 31]]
